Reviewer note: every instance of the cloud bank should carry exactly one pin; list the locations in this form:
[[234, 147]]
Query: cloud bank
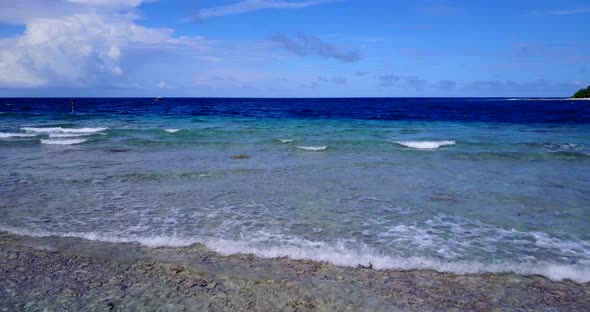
[[79, 49]]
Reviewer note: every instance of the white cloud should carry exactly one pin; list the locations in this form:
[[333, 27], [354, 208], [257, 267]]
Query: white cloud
[[255, 5], [117, 71], [14, 74], [80, 49], [114, 52], [104, 51]]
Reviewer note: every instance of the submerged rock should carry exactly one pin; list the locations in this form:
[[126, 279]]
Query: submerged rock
[[116, 150], [240, 156]]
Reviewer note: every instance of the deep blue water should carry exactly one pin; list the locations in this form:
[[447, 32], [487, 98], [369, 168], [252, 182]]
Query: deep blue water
[[419, 109], [457, 185]]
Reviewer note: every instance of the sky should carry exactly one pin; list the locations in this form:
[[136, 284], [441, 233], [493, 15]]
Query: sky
[[294, 48]]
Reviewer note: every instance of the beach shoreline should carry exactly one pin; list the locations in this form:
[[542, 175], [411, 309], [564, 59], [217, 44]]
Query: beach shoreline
[[554, 99], [77, 274]]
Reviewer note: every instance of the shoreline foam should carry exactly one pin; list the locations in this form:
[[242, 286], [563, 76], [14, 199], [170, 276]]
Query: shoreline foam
[[98, 276], [334, 256]]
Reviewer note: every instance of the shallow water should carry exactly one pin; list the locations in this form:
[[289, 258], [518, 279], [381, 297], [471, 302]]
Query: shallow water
[[460, 185]]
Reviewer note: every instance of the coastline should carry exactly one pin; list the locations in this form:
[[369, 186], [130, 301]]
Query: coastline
[[79, 274], [554, 99]]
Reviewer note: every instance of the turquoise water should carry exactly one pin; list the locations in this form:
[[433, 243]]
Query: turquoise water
[[456, 196]]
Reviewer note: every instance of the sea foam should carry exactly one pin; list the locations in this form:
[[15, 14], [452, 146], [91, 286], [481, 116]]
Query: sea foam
[[69, 135], [62, 130], [313, 148], [286, 140], [63, 142], [16, 135], [337, 254], [563, 146], [171, 130], [425, 144]]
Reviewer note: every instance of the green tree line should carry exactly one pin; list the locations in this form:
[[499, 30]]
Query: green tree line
[[582, 93]]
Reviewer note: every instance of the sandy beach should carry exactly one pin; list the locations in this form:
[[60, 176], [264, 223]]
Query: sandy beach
[[69, 274]]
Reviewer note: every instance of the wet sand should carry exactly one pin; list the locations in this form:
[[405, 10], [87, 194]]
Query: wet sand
[[70, 274]]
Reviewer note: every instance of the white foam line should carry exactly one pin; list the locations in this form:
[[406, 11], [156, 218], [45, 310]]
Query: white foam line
[[63, 142], [68, 135], [425, 144], [62, 130], [338, 255], [312, 148], [16, 135]]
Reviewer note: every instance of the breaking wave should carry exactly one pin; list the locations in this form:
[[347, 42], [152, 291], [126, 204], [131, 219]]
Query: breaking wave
[[54, 130], [16, 135], [425, 144], [68, 135], [63, 142], [313, 148], [337, 254]]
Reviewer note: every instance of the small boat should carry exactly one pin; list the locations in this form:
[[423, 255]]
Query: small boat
[[158, 99]]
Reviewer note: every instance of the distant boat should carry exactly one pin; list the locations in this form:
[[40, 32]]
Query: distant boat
[[158, 99]]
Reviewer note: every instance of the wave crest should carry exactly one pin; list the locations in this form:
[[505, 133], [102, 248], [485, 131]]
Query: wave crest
[[563, 146], [16, 135], [425, 144], [63, 142], [62, 130], [313, 148], [68, 135]]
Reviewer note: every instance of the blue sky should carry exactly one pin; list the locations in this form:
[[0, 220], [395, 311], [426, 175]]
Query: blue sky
[[293, 48]]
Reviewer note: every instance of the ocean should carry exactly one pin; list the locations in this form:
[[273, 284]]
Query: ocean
[[466, 185]]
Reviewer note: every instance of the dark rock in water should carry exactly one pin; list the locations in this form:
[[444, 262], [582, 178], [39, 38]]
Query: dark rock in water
[[298, 305], [360, 266], [201, 282], [115, 151], [239, 156], [70, 292]]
